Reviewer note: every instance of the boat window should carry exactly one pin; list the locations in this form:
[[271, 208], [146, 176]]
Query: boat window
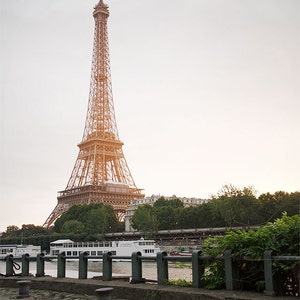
[[149, 250], [93, 252], [68, 253], [75, 253], [99, 252], [113, 252], [91, 245]]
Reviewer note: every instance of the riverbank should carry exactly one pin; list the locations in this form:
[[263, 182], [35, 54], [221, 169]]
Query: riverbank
[[125, 290]]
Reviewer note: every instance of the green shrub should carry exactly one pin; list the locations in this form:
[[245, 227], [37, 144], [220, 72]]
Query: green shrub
[[179, 282], [248, 248]]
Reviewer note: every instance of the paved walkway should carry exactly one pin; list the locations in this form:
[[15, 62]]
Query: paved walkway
[[44, 288], [12, 293]]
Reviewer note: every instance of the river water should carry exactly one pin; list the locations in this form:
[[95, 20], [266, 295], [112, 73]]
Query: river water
[[176, 270]]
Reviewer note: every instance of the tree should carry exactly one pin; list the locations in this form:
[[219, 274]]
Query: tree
[[273, 205], [72, 226], [12, 230], [31, 229], [236, 207], [168, 213], [174, 203], [96, 218], [101, 220], [145, 220]]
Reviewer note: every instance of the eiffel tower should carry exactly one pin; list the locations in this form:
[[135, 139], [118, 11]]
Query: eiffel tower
[[101, 173]]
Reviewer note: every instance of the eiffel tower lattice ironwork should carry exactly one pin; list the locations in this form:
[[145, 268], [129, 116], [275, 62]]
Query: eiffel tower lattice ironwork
[[101, 173]]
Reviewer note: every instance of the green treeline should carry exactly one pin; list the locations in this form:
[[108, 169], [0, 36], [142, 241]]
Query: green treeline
[[232, 207], [79, 223]]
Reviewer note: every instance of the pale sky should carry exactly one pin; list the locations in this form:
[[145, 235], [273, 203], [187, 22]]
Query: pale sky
[[206, 93]]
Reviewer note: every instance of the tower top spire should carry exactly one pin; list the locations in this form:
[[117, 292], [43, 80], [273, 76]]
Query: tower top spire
[[101, 7]]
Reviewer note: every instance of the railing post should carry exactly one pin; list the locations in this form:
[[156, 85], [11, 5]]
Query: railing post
[[25, 264], [162, 268], [83, 265], [9, 265], [61, 265], [197, 269], [40, 265], [270, 286], [107, 267], [136, 267], [231, 272]]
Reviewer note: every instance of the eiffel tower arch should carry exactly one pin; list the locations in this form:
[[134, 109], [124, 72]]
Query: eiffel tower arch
[[100, 173]]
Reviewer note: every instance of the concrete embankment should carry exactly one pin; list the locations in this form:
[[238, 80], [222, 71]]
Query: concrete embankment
[[125, 290]]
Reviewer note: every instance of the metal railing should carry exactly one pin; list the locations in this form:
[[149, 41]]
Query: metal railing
[[197, 260]]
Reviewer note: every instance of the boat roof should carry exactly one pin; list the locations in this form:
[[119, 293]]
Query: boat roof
[[14, 246], [62, 241], [68, 241]]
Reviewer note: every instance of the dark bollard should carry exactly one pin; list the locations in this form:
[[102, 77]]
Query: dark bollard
[[198, 268], [107, 267], [136, 267], [9, 265], [61, 265], [25, 264], [83, 265], [40, 265], [103, 293], [162, 268], [23, 289]]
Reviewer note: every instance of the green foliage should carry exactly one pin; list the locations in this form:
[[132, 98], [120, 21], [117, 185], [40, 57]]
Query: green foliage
[[72, 226], [167, 213], [89, 219], [181, 265], [282, 237], [145, 220], [275, 204], [231, 207], [12, 230], [236, 207], [172, 203], [25, 230], [179, 282], [215, 276], [164, 214]]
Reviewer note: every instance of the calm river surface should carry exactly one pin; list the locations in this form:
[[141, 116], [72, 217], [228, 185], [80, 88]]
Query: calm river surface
[[176, 271]]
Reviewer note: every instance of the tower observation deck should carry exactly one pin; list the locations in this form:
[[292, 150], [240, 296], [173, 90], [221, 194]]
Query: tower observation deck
[[100, 173]]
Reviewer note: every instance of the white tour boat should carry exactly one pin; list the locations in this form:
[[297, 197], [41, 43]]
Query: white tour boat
[[117, 248], [19, 250]]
